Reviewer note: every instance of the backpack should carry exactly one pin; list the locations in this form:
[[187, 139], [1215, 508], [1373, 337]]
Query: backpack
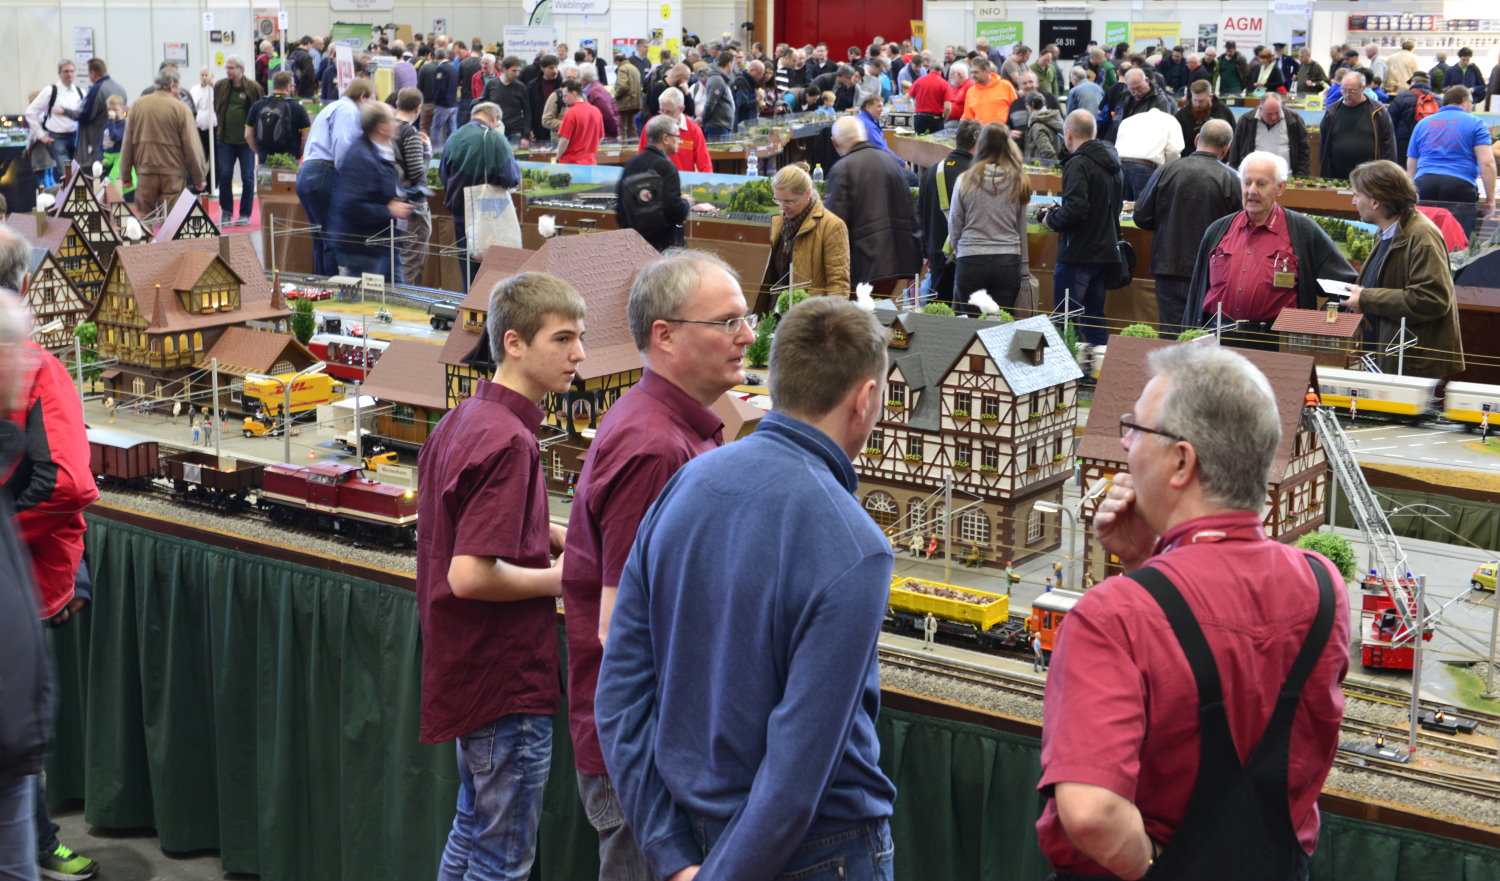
[[1427, 104], [274, 132], [641, 196]]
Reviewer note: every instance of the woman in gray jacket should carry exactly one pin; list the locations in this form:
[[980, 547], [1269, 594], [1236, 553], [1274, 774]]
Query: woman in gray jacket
[[987, 222]]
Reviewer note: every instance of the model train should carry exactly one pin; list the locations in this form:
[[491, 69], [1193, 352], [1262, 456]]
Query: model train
[[1410, 397], [979, 615], [327, 496]]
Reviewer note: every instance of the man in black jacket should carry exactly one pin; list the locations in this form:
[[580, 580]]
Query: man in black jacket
[[537, 93], [1202, 106], [510, 94], [868, 190], [1269, 127], [933, 198], [820, 64], [1179, 202], [661, 227], [1354, 130], [1403, 111], [27, 696], [467, 67], [1088, 220]]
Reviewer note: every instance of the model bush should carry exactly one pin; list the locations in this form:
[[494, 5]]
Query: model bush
[[281, 160], [758, 353], [790, 298], [1191, 333], [753, 197], [1333, 546], [304, 321], [938, 309], [1145, 331]]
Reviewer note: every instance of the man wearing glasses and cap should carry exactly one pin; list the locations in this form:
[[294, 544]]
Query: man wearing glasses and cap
[[1212, 622], [689, 321]]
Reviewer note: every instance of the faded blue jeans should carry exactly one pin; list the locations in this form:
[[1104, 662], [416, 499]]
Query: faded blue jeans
[[502, 770], [18, 830], [864, 852]]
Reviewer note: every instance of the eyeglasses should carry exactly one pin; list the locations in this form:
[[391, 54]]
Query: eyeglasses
[[730, 326], [1128, 427], [792, 201]]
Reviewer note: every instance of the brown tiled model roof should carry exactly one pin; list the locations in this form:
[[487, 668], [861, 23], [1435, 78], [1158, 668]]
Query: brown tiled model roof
[[24, 225], [739, 416], [241, 350], [1125, 375], [67, 190], [409, 372], [499, 262], [601, 267], [459, 344], [1314, 322], [169, 264]]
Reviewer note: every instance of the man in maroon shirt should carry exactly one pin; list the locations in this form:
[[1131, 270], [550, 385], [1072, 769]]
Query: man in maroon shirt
[[689, 320], [1126, 787], [690, 323], [582, 128], [487, 584]]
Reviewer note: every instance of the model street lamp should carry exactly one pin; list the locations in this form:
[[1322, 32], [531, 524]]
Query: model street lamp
[[286, 408]]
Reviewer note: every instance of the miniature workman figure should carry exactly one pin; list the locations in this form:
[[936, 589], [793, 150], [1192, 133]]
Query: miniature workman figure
[[1038, 658], [487, 583], [1011, 577], [929, 631], [768, 766], [1157, 784]]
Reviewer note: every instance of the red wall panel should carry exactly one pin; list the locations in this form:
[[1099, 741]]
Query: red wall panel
[[844, 23]]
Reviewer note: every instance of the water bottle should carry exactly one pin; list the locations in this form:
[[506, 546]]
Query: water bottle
[[752, 164], [818, 175]]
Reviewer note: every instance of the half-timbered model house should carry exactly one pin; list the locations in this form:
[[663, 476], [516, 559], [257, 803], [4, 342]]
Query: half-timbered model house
[[52, 296], [238, 353], [64, 240], [600, 266], [121, 213], [78, 203], [411, 384], [187, 220], [164, 305], [1299, 473], [991, 407]]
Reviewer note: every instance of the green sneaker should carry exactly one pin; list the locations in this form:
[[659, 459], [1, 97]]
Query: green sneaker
[[65, 865]]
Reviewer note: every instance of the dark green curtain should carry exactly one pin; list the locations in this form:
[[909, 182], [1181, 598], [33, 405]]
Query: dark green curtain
[[270, 711], [1468, 520]]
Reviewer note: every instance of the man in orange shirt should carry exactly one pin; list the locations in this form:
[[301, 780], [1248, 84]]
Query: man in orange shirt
[[990, 97], [582, 128]]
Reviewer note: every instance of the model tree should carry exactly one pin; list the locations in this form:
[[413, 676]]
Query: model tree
[[304, 322], [1333, 546]]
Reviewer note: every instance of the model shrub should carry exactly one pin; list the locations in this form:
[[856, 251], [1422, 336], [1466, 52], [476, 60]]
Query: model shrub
[[1333, 546]]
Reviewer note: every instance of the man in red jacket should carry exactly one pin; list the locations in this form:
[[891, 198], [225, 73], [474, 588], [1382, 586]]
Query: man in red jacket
[[50, 485]]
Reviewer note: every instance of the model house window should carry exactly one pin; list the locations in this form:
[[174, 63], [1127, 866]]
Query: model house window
[[1033, 526], [961, 401], [403, 414], [989, 404], [974, 527], [916, 514], [898, 393], [976, 363], [877, 440], [991, 458], [882, 508], [558, 472], [914, 445]]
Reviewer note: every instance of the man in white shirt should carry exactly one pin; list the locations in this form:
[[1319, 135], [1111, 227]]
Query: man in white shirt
[[55, 133], [1146, 141]]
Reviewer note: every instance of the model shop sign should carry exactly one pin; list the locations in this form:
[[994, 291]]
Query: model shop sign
[[1243, 30], [1070, 35]]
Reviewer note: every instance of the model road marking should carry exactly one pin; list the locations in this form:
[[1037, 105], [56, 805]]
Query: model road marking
[[1418, 434], [1372, 449]]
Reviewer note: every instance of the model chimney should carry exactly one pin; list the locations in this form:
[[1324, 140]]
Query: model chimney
[[224, 250], [41, 221]]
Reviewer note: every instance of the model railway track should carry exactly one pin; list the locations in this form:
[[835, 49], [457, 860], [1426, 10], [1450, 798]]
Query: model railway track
[[957, 671], [414, 293], [1462, 783], [1489, 722], [1396, 736]]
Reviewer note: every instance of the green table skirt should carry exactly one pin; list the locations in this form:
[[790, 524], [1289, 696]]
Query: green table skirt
[[270, 711]]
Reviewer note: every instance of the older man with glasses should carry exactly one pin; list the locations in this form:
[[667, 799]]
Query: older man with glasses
[[1156, 785], [688, 318]]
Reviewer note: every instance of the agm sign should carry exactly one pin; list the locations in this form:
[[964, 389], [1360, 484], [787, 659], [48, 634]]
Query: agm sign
[[1245, 30]]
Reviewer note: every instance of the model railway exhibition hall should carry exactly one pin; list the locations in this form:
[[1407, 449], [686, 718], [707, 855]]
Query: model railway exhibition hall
[[574, 439]]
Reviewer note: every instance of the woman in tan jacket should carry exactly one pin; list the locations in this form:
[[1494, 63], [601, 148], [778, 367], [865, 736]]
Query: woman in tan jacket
[[809, 244]]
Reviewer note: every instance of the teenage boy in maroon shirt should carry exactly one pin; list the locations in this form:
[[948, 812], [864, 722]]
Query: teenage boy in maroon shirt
[[487, 583], [688, 318]]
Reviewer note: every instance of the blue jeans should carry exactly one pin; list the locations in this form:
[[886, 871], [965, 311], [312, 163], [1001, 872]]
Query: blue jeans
[[712, 131], [859, 853], [62, 153], [442, 125], [1136, 177], [355, 260], [224, 159], [468, 269], [620, 858], [1075, 284], [46, 830], [315, 192], [18, 830], [502, 770]]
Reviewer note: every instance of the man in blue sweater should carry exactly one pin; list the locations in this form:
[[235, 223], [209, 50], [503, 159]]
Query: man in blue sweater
[[738, 693]]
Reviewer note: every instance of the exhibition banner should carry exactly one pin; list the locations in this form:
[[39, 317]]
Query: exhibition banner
[[526, 42], [1149, 33], [355, 36], [1070, 35], [1116, 32], [1245, 31], [1003, 35]]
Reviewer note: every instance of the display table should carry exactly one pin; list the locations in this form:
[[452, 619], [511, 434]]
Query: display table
[[234, 698]]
